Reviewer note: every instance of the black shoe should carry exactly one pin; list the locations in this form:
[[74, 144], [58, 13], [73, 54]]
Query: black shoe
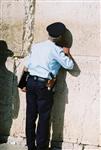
[[33, 148]]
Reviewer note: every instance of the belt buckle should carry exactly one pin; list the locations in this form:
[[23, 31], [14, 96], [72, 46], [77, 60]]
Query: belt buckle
[[41, 79], [35, 78]]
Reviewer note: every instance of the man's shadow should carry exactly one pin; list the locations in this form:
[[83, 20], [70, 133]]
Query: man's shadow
[[9, 97], [61, 96]]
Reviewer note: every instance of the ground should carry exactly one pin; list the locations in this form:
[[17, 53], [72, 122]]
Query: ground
[[75, 147], [13, 147]]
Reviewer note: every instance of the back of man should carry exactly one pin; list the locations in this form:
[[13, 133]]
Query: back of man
[[43, 64], [40, 58]]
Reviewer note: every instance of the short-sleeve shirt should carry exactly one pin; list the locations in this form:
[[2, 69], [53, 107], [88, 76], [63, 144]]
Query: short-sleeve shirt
[[46, 58]]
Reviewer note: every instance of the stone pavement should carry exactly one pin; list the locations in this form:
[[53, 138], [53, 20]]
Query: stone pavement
[[18, 147], [11, 147]]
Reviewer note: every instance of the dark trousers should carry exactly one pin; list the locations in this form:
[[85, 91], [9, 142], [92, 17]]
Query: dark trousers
[[39, 104]]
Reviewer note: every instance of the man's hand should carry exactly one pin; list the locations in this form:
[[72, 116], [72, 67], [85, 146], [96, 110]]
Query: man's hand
[[51, 83], [66, 50], [24, 89]]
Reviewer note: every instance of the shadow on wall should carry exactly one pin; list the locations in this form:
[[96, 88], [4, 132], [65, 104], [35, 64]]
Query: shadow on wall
[[60, 101], [9, 97], [61, 96]]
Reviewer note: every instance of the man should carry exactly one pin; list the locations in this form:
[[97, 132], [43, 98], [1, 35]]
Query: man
[[43, 65]]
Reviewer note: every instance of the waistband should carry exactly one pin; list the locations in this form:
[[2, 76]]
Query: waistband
[[37, 78]]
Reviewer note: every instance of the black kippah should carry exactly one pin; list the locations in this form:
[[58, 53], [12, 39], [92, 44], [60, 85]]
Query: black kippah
[[56, 29]]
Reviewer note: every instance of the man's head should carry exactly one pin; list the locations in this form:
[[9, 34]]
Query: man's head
[[4, 51], [59, 34], [56, 29]]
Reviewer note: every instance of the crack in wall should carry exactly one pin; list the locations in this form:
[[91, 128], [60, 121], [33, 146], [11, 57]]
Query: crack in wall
[[28, 25]]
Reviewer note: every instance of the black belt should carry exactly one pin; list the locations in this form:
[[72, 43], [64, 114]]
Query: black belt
[[36, 78]]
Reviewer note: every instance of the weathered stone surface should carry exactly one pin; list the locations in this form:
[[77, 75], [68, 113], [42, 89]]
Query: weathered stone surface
[[82, 18], [11, 147], [61, 145], [18, 127], [91, 148], [75, 116], [9, 97], [78, 147], [28, 25], [16, 141], [12, 20]]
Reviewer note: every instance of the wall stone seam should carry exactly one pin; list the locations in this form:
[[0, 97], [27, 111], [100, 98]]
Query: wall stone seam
[[28, 28]]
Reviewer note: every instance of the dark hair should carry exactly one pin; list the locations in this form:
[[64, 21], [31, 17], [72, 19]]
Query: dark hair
[[66, 40]]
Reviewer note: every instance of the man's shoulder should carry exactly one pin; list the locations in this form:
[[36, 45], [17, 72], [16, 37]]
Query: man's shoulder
[[47, 44], [39, 43]]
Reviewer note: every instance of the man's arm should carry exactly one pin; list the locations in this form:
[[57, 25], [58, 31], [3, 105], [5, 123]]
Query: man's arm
[[67, 52], [63, 57]]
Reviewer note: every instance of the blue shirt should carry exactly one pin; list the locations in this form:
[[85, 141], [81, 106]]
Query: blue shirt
[[46, 58]]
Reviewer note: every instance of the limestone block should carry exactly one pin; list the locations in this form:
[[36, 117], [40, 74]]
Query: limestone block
[[75, 116], [68, 146], [12, 20], [82, 18], [18, 127], [78, 147], [9, 98], [64, 145], [16, 140], [91, 148], [85, 110], [29, 24]]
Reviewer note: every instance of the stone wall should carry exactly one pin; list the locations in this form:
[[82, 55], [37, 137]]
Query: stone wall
[[75, 115], [11, 25], [76, 108]]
